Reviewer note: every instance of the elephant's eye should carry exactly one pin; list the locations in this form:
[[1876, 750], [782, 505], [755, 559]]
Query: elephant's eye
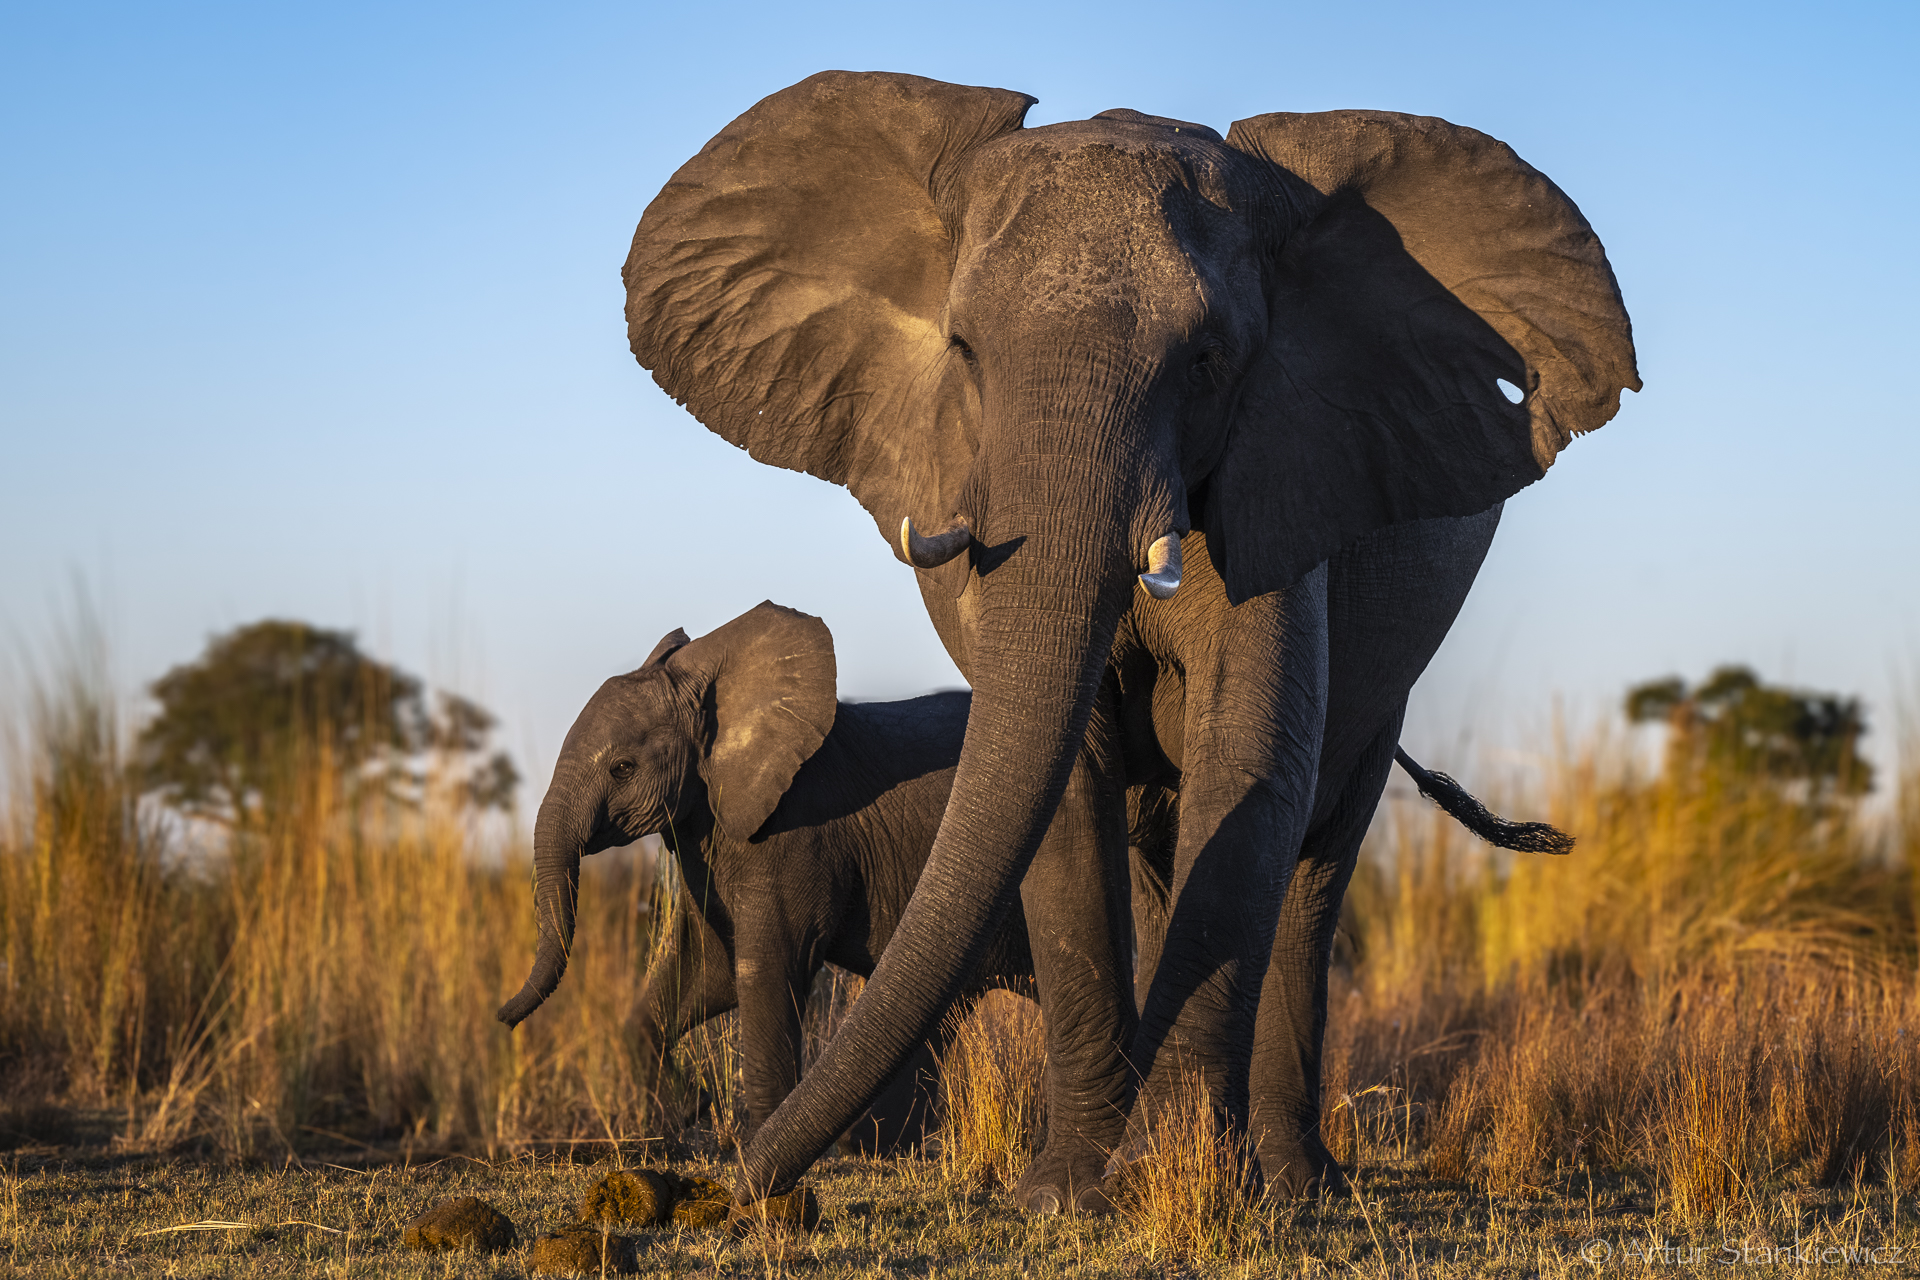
[[621, 770], [959, 344], [1209, 368]]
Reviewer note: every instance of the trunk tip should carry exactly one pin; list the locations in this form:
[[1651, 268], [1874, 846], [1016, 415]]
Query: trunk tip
[[515, 1011]]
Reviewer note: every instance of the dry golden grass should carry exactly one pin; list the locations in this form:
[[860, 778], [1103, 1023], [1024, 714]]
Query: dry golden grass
[[1191, 1192], [328, 971], [1706, 1015], [992, 1099], [1716, 992], [81, 1214]]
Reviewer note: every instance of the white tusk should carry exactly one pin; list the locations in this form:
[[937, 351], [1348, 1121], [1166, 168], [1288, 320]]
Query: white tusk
[[1162, 577], [931, 552]]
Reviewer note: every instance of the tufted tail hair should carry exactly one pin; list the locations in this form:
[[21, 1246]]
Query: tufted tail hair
[[1525, 837]]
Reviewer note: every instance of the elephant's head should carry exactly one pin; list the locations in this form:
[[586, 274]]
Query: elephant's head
[[1056, 350], [705, 731]]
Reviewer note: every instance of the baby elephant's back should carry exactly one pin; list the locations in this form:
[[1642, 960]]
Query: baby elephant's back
[[906, 753]]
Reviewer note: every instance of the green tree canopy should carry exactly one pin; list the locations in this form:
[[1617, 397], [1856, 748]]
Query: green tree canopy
[[1743, 727], [267, 705]]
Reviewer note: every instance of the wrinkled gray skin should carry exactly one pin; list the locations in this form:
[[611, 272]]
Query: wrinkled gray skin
[[675, 748], [1053, 348]]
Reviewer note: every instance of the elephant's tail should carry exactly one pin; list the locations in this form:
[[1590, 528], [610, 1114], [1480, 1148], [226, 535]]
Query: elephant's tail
[[1526, 837]]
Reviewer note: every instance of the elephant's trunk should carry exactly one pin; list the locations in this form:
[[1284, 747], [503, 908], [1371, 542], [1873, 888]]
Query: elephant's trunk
[[1043, 630], [556, 896]]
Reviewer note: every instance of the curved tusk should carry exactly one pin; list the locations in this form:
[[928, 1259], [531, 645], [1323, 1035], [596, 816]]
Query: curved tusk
[[924, 552], [1162, 577]]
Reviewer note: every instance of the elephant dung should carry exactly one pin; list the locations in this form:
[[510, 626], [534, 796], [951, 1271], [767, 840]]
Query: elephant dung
[[639, 1197], [702, 1203], [582, 1250], [797, 1209], [466, 1223]]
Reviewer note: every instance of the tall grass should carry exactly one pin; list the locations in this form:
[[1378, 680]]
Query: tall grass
[[1716, 990], [1191, 1191], [324, 971], [992, 1091]]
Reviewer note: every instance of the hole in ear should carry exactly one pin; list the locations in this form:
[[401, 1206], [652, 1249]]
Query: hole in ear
[[1513, 394]]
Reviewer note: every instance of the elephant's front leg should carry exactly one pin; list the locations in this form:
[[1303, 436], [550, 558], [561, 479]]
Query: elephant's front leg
[[1075, 896], [1255, 681]]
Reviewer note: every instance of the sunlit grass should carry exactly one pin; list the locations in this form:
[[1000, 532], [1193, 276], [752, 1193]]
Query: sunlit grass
[[1192, 1191], [1706, 1014], [325, 971], [1715, 991], [992, 1092]]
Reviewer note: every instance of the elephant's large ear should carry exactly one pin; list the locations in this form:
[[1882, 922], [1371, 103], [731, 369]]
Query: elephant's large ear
[[771, 678], [788, 285], [1417, 266]]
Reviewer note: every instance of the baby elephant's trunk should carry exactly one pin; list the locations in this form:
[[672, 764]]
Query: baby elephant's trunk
[[556, 896]]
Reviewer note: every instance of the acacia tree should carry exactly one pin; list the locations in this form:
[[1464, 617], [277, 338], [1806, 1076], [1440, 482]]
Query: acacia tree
[[1741, 727], [272, 707]]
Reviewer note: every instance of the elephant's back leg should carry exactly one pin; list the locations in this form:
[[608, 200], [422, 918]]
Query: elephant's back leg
[[1390, 601], [1292, 1021], [1153, 829]]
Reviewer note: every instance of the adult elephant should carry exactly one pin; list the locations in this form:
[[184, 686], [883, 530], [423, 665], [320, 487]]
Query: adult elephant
[[1068, 370]]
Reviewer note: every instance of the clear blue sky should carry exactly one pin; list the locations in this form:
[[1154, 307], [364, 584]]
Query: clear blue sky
[[314, 311]]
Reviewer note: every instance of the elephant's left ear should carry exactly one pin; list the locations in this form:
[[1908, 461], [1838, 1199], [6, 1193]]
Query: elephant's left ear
[[1416, 267], [773, 700]]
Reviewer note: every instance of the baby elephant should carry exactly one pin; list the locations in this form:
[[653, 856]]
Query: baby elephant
[[801, 826]]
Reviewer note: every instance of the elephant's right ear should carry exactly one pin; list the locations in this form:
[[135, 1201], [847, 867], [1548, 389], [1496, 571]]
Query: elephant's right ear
[[771, 676], [789, 282], [1417, 267]]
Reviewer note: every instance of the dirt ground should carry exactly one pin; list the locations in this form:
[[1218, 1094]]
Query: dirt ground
[[88, 1212]]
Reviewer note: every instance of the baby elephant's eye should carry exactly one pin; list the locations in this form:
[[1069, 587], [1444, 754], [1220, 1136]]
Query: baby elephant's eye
[[621, 770]]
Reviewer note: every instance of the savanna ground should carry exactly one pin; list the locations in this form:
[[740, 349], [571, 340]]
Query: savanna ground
[[1688, 1046]]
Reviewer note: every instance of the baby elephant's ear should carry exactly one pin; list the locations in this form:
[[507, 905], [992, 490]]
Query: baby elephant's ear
[[773, 688]]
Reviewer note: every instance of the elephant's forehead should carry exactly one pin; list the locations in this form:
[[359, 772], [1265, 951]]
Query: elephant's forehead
[[1095, 159], [1080, 219]]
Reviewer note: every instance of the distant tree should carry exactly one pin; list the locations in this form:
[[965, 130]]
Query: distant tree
[[255, 717], [1736, 724]]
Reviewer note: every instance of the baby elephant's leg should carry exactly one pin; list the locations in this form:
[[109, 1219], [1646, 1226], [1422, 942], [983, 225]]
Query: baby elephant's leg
[[689, 982]]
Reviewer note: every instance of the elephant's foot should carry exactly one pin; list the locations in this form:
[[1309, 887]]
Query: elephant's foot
[[1067, 1177], [1302, 1169]]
